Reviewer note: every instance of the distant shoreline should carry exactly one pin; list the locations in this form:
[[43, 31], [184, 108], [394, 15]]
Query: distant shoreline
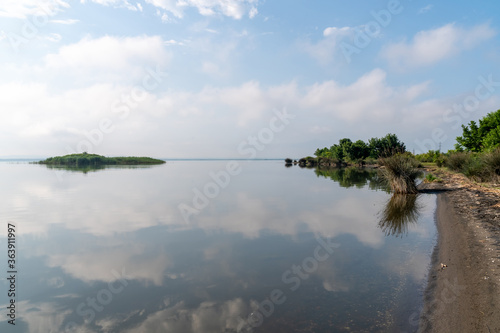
[[23, 159]]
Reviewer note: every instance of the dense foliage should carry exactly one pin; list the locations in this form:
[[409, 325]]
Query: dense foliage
[[482, 137], [84, 159], [357, 151]]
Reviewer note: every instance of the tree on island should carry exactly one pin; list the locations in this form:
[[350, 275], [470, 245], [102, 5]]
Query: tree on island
[[85, 160]]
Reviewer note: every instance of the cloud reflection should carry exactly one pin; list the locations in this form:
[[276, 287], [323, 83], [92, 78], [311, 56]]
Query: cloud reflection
[[208, 317]]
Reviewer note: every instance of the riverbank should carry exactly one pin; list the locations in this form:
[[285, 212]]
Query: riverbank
[[463, 292]]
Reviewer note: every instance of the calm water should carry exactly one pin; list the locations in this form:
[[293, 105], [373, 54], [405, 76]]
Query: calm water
[[275, 250]]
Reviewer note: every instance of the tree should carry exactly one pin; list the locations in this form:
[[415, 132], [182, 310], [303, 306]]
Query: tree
[[375, 147], [323, 152], [492, 139], [343, 149], [485, 136], [391, 145], [357, 151], [470, 139], [337, 152], [386, 146]]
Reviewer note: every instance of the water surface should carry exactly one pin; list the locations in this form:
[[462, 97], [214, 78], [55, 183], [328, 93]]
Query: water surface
[[268, 249]]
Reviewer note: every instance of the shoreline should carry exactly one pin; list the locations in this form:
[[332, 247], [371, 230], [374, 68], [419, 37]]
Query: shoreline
[[464, 295]]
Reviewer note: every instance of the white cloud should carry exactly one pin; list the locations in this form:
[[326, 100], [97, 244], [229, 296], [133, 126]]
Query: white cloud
[[334, 31], [431, 46], [168, 5], [235, 9], [425, 9], [109, 57], [115, 3], [165, 18], [53, 37], [24, 8], [325, 50], [173, 42], [67, 22], [370, 97]]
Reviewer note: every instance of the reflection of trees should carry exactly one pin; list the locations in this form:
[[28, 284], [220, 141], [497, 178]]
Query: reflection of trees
[[94, 168], [349, 177], [400, 211]]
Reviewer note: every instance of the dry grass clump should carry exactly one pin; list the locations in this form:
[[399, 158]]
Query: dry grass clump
[[400, 171]]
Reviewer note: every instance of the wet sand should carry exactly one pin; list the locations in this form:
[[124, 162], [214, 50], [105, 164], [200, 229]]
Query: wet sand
[[464, 295]]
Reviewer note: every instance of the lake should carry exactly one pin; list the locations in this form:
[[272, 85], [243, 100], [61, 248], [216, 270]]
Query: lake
[[212, 246]]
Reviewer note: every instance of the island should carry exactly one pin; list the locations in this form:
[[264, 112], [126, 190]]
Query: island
[[94, 160]]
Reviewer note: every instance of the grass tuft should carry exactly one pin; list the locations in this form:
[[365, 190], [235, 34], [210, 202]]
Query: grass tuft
[[400, 171], [430, 178]]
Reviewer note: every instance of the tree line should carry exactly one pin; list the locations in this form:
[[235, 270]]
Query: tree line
[[358, 151]]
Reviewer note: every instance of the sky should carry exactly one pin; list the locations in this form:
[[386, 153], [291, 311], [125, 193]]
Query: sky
[[241, 78]]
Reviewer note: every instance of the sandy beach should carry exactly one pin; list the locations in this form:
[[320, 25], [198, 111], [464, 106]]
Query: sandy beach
[[463, 292]]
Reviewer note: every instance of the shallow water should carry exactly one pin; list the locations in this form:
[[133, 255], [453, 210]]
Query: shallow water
[[267, 249]]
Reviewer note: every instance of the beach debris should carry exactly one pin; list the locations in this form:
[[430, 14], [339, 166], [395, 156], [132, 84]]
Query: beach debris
[[443, 266]]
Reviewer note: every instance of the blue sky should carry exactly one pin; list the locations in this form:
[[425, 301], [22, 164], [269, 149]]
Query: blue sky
[[207, 78]]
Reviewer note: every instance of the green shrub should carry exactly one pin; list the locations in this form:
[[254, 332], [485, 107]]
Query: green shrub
[[474, 169], [430, 178], [490, 163], [458, 161], [481, 167]]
